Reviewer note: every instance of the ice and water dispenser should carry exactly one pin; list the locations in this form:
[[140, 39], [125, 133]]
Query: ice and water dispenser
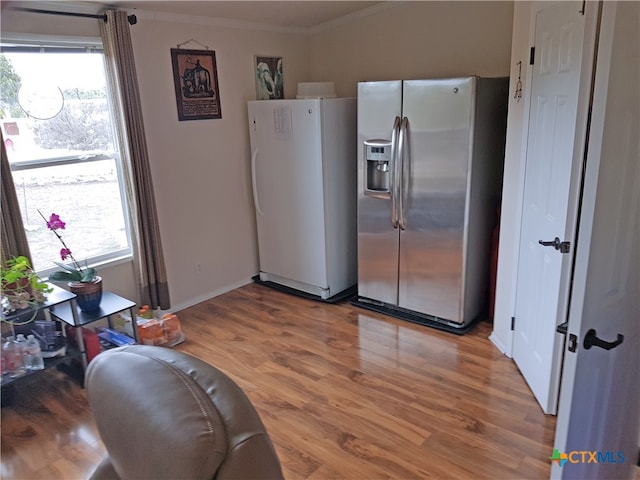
[[377, 156]]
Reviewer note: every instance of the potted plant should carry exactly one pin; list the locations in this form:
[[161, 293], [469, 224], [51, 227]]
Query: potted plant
[[83, 281], [20, 286]]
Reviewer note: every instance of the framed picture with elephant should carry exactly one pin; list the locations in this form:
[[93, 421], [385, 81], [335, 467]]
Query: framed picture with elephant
[[269, 78], [195, 77]]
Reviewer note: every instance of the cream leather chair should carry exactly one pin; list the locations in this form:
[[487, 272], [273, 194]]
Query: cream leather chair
[[163, 414]]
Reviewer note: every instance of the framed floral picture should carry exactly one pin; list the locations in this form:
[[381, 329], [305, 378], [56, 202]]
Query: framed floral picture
[[195, 77], [269, 77]]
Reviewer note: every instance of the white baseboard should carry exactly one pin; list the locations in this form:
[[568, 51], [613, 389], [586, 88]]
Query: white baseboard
[[208, 296], [501, 346]]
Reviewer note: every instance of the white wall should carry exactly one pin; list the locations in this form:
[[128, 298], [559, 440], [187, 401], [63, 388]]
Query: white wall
[[416, 40], [513, 183], [201, 168]]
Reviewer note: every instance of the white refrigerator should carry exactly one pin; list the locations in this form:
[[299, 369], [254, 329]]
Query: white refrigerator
[[303, 169]]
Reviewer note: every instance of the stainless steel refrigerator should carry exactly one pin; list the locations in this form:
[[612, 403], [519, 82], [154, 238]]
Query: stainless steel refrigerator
[[303, 170], [430, 162]]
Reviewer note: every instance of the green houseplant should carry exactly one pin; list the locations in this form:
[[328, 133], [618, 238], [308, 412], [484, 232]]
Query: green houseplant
[[20, 286], [83, 281]]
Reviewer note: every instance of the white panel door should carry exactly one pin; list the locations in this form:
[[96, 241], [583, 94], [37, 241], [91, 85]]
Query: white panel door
[[286, 152], [559, 32], [599, 407]]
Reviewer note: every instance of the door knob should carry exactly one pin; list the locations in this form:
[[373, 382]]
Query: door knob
[[553, 243], [592, 340], [564, 247]]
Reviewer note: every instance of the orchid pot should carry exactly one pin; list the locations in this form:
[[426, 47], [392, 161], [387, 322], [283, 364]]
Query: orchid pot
[[88, 294]]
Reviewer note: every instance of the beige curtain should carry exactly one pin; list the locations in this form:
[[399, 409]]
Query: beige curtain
[[123, 84], [14, 238]]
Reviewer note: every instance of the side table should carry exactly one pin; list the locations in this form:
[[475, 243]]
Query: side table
[[109, 305], [55, 299]]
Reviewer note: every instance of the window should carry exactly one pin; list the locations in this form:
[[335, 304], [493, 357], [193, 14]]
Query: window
[[56, 123]]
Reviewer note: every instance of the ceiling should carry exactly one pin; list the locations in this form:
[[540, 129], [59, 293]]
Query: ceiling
[[292, 14]]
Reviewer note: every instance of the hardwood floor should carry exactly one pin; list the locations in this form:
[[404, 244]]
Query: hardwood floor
[[344, 393]]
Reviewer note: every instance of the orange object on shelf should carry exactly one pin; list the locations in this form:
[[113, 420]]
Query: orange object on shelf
[[171, 327], [162, 331], [150, 333]]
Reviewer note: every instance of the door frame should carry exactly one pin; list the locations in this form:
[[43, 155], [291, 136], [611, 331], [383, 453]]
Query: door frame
[[510, 226]]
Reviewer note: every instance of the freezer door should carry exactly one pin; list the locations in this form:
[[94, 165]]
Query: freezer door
[[435, 177], [379, 103], [286, 162]]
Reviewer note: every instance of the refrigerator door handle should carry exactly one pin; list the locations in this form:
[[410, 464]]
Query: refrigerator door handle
[[402, 163], [254, 184], [395, 184]]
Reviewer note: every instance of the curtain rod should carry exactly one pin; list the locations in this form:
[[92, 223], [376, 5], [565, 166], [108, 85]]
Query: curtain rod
[[131, 18]]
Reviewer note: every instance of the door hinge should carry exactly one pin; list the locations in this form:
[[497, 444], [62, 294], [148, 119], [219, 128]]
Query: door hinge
[[513, 323], [581, 11], [532, 55]]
